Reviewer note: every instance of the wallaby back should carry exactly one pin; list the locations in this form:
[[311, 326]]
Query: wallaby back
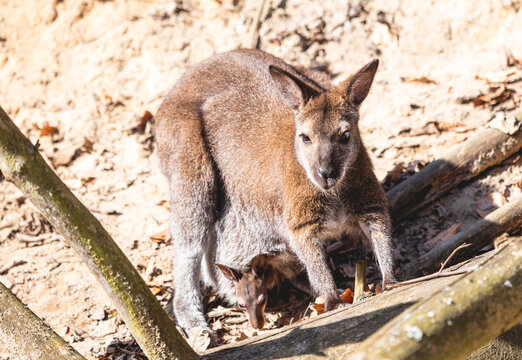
[[261, 158]]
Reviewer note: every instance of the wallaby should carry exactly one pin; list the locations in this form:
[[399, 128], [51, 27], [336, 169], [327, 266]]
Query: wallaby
[[264, 273], [263, 158]]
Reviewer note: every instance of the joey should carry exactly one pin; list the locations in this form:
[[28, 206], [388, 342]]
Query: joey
[[251, 288]]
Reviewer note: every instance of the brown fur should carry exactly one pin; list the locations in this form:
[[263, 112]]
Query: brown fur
[[251, 288], [231, 139]]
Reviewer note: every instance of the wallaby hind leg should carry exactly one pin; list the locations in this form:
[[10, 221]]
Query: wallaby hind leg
[[187, 163], [377, 227]]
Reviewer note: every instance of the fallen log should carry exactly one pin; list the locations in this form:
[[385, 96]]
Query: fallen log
[[505, 219], [462, 162], [22, 164], [337, 334], [31, 338], [457, 320]]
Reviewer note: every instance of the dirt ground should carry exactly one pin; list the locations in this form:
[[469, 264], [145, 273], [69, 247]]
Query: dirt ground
[[78, 76]]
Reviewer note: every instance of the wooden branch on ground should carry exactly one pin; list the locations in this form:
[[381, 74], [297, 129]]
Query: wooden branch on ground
[[460, 318], [481, 233], [22, 164], [462, 162], [337, 334], [360, 280], [436, 275], [26, 335], [252, 40]]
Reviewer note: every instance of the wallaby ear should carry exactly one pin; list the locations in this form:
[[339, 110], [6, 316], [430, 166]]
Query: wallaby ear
[[296, 90], [261, 268], [358, 86], [231, 274]]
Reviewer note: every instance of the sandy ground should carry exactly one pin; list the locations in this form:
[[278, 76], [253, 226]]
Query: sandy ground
[[78, 75]]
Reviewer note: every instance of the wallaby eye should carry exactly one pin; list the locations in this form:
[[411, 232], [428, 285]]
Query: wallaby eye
[[345, 136], [306, 139], [242, 307]]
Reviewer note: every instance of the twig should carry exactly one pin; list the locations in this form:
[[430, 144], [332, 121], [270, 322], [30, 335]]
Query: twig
[[15, 263], [360, 280], [33, 238], [219, 312], [253, 36], [424, 278], [305, 312], [236, 320], [451, 255], [436, 275]]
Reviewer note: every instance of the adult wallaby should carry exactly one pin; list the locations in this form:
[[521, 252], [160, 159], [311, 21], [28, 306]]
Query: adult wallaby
[[265, 158]]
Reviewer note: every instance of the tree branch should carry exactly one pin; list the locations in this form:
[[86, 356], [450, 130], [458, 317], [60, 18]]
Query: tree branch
[[26, 335], [481, 233], [22, 164], [472, 311], [462, 162]]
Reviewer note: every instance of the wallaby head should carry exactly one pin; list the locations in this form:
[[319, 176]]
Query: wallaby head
[[327, 139], [251, 288]]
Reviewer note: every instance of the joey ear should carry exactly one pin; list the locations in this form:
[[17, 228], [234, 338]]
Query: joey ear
[[261, 268], [231, 274], [358, 86], [296, 89]]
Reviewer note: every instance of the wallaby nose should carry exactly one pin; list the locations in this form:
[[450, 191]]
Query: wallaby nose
[[325, 172], [258, 323]]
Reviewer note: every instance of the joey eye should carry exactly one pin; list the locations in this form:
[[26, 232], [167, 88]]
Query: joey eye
[[345, 136], [306, 139], [242, 307]]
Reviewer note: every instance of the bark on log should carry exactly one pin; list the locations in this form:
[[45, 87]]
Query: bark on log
[[481, 233], [472, 311], [22, 164], [462, 162], [338, 334], [26, 335], [508, 346]]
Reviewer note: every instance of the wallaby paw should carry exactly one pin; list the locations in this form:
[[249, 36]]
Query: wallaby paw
[[331, 302], [384, 286], [342, 305], [187, 323]]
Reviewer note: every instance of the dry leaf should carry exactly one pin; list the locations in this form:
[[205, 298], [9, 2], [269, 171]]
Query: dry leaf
[[155, 289], [160, 237], [481, 100], [87, 145], [142, 122], [500, 77], [65, 155], [319, 308], [513, 61], [441, 237], [241, 336], [107, 98], [422, 79], [199, 338], [347, 296], [430, 128], [47, 130], [86, 180], [395, 173], [490, 203]]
